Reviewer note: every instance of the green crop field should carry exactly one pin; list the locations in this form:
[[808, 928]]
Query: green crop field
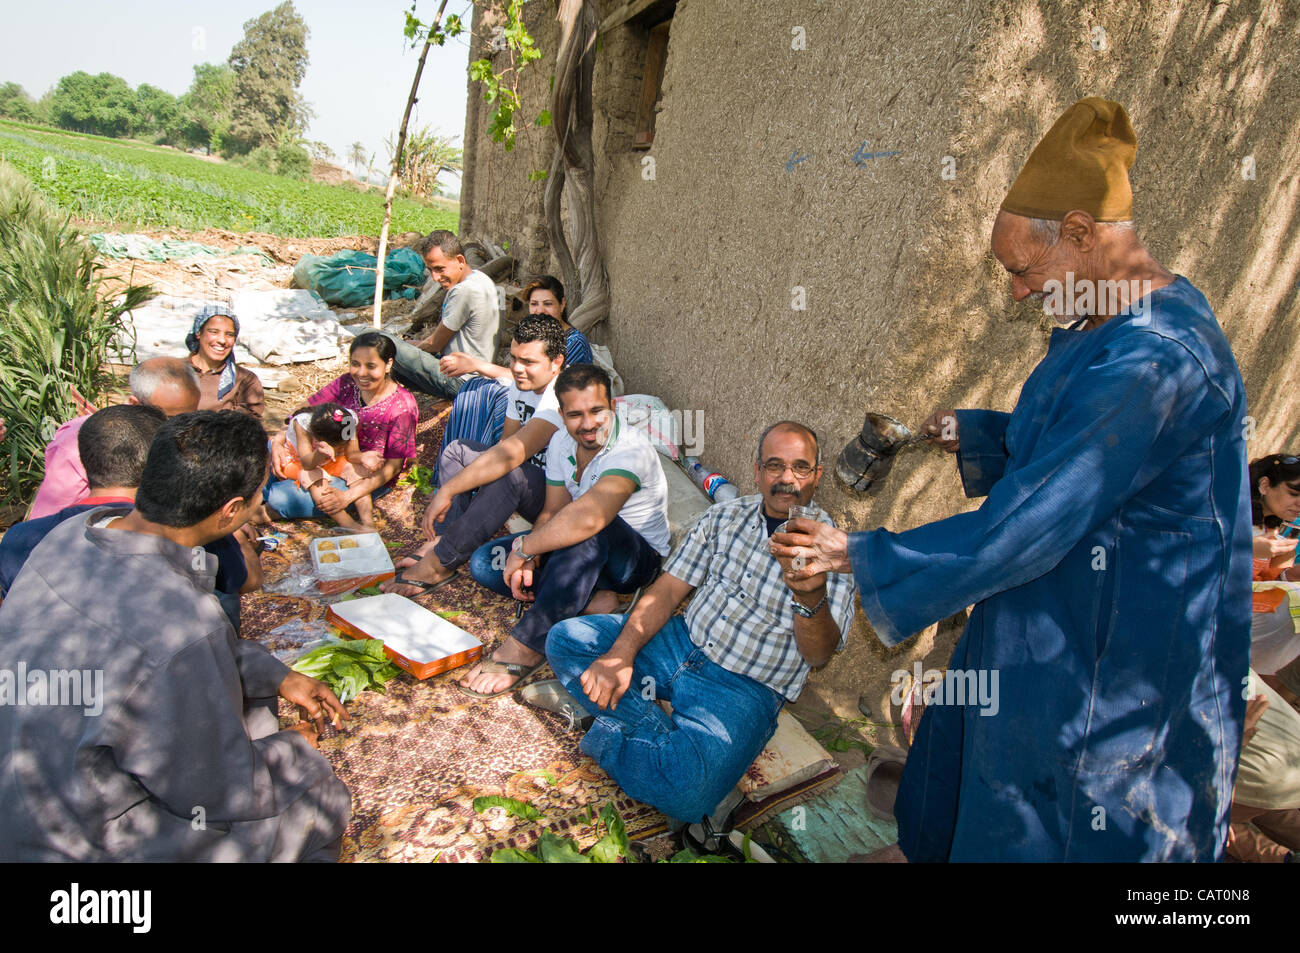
[[130, 183]]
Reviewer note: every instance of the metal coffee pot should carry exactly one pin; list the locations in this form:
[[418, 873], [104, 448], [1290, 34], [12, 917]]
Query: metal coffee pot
[[868, 457]]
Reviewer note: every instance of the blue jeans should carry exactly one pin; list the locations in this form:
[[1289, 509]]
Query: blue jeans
[[683, 765], [418, 370], [617, 558], [292, 502]]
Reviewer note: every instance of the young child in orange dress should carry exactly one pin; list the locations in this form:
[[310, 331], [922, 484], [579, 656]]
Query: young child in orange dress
[[319, 443]]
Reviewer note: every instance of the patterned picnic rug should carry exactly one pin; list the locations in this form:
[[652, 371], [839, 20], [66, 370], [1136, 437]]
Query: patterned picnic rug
[[416, 757]]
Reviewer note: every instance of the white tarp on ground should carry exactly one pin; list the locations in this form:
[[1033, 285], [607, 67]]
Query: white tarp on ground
[[275, 327]]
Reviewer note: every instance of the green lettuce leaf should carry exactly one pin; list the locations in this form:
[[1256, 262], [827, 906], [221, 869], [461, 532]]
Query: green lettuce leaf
[[512, 807]]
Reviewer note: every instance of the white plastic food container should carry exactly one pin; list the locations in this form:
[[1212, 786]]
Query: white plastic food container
[[420, 641]]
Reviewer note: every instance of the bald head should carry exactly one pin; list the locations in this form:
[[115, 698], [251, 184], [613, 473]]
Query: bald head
[[167, 383]]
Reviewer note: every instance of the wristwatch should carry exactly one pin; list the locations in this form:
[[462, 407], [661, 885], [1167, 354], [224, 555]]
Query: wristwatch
[[803, 610], [518, 547]]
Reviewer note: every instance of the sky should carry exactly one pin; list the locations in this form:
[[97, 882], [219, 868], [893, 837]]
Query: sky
[[358, 77]]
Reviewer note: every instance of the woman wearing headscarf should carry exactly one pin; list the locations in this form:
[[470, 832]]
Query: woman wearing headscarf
[[223, 384]]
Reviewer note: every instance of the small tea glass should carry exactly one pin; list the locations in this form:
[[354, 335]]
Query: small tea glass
[[796, 512]]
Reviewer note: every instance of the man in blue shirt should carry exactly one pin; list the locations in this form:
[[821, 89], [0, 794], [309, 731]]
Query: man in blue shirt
[[1109, 565]]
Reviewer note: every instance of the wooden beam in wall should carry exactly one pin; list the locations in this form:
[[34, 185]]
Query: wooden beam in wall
[[653, 10], [651, 82]]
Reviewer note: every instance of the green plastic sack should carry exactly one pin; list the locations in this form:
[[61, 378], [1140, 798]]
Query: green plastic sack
[[347, 279]]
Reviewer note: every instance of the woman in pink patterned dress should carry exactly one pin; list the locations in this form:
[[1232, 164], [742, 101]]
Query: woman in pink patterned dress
[[387, 415]]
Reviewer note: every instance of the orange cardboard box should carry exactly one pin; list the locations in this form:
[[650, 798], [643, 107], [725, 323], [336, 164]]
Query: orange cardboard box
[[417, 640]]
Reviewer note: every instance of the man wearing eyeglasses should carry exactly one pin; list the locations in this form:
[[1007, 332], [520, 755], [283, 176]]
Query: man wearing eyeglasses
[[743, 647]]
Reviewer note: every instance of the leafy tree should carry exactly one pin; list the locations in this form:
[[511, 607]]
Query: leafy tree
[[156, 110], [435, 33], [269, 64], [292, 160], [16, 104], [427, 155], [206, 106], [103, 104], [261, 159]]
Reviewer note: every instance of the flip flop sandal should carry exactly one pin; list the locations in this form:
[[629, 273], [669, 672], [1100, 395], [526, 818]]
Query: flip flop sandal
[[401, 580], [492, 667]]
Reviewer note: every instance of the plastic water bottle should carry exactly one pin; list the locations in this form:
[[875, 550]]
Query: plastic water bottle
[[715, 485], [698, 473], [725, 491]]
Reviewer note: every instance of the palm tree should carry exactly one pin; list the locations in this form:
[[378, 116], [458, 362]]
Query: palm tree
[[357, 156], [427, 155]]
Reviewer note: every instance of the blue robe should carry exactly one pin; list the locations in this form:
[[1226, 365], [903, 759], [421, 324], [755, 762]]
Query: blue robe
[[1110, 572]]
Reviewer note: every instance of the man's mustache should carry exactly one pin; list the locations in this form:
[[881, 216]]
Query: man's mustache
[[785, 488]]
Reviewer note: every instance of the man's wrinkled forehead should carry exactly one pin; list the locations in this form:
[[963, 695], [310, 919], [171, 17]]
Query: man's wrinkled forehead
[[1011, 242], [777, 445]]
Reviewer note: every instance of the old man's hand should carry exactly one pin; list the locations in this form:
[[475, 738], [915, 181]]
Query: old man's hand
[[606, 680], [809, 548], [941, 428]]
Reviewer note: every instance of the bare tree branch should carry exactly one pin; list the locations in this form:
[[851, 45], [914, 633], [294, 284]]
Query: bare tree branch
[[397, 160]]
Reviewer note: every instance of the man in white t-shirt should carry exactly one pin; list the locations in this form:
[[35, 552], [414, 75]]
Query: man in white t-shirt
[[482, 485], [604, 527], [471, 315]]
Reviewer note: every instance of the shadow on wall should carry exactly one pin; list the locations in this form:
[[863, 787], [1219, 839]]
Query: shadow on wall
[[1214, 96]]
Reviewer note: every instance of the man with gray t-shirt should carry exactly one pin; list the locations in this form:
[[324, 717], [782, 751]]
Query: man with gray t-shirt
[[470, 317]]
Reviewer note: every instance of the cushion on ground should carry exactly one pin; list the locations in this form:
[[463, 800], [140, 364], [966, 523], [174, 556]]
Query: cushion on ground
[[790, 757]]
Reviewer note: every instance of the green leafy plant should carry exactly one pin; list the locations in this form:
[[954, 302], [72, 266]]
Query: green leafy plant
[[554, 849], [843, 734], [420, 477], [349, 666], [502, 88], [511, 806], [59, 326], [688, 856], [614, 846], [130, 183]]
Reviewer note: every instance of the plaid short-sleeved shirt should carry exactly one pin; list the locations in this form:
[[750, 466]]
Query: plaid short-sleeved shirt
[[741, 615]]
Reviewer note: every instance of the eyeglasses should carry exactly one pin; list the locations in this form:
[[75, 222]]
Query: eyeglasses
[[776, 468]]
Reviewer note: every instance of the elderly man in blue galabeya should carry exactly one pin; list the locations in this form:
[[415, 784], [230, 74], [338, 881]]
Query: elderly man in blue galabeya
[[1109, 564]]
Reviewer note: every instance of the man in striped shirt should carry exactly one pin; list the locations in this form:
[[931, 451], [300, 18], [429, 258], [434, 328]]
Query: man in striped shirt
[[743, 647]]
